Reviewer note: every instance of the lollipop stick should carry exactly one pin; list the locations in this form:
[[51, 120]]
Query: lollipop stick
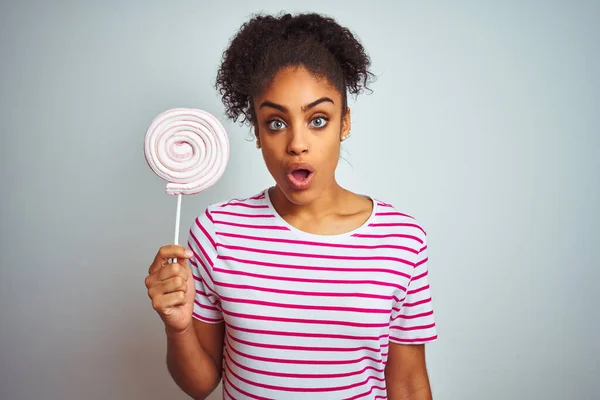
[[177, 218]]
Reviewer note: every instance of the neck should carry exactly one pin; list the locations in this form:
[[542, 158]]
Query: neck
[[328, 201]]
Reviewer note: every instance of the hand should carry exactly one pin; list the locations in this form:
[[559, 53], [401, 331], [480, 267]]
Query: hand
[[171, 288]]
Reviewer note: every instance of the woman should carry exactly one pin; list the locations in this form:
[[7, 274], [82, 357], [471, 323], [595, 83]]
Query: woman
[[304, 289]]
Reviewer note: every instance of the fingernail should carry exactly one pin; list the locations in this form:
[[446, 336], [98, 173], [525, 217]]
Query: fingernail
[[188, 253]]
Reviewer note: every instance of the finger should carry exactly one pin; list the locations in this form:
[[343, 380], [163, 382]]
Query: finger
[[164, 302], [188, 272], [168, 252], [173, 284], [171, 270], [173, 251], [149, 281], [157, 265]]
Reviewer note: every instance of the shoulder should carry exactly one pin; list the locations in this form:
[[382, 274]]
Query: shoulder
[[392, 220], [233, 207], [239, 204], [225, 212]]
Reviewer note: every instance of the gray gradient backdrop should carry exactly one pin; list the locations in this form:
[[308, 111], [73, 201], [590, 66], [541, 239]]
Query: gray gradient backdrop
[[484, 124]]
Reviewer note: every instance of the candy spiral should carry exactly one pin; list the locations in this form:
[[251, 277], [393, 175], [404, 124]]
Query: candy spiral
[[188, 148]]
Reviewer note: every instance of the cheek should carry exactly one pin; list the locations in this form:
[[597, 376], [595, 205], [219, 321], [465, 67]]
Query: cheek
[[329, 155], [272, 162]]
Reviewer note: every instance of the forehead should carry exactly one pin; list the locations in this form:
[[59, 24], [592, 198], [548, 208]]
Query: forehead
[[297, 86]]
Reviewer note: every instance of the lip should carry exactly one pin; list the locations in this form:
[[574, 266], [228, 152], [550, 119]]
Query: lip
[[296, 184]]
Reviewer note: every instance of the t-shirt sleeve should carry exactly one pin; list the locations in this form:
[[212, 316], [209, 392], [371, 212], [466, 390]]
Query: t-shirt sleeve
[[412, 320], [202, 242]]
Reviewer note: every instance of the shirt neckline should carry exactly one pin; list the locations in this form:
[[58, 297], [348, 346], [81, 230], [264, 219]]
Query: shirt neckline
[[315, 236]]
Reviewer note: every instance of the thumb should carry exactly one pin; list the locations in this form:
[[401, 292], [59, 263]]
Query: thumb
[[168, 252]]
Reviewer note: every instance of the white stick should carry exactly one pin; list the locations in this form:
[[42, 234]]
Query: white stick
[[177, 218]]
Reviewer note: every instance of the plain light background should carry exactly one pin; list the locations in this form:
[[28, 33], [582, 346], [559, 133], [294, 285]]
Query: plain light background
[[484, 125]]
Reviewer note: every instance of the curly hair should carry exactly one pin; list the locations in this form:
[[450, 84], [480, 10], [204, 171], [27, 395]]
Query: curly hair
[[265, 44]]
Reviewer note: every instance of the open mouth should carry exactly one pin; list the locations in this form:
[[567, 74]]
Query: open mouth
[[300, 176]]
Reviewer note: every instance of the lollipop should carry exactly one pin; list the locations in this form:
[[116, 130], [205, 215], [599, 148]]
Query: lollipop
[[189, 149]]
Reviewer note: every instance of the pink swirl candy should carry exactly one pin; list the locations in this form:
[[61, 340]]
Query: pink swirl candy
[[188, 148]]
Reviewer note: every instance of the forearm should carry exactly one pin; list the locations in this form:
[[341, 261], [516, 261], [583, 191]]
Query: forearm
[[412, 388], [408, 393], [407, 385], [192, 369]]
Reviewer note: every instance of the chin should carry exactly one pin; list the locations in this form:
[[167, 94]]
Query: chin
[[299, 197]]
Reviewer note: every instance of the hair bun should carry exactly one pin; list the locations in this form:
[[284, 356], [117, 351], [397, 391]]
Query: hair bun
[[265, 44]]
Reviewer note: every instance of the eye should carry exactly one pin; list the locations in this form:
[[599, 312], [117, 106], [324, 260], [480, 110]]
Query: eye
[[319, 122], [275, 125]]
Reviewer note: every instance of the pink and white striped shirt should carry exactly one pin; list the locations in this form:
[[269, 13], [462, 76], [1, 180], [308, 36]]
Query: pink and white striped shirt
[[309, 315]]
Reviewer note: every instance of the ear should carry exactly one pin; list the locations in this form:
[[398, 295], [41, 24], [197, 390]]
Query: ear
[[256, 136], [346, 124]]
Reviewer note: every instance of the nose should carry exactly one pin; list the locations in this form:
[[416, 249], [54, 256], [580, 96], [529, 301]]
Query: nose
[[298, 142]]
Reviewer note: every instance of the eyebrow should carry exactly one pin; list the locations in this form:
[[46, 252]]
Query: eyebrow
[[304, 108]]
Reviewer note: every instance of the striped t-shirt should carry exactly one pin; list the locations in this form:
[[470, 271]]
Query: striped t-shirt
[[307, 315]]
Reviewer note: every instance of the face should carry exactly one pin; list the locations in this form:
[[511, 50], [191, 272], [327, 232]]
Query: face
[[299, 125]]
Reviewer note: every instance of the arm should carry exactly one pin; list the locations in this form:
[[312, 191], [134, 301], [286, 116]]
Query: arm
[[194, 358], [405, 373], [194, 348], [412, 324]]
